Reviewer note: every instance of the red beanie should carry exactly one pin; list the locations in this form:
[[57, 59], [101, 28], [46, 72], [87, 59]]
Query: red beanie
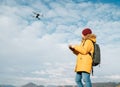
[[86, 31]]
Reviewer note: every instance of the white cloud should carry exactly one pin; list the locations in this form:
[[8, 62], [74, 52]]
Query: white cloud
[[29, 43], [107, 78], [43, 81]]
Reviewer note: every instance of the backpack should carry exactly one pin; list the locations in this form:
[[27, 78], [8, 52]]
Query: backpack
[[96, 55]]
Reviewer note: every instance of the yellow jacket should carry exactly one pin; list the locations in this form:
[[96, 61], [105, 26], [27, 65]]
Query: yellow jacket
[[84, 59]]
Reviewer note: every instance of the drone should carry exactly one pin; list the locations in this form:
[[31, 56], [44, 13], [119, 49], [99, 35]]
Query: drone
[[37, 15]]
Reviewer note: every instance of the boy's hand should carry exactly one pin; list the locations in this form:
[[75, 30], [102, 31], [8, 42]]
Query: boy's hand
[[71, 47]]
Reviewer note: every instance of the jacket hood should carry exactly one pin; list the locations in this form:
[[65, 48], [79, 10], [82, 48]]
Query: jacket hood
[[90, 37]]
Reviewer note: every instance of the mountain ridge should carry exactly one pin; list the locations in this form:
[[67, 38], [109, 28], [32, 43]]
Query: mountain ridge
[[101, 84]]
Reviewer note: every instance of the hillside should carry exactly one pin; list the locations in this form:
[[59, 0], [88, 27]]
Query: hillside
[[109, 84]]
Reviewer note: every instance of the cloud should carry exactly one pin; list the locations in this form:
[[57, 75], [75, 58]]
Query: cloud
[[43, 81], [106, 78], [40, 47], [44, 73]]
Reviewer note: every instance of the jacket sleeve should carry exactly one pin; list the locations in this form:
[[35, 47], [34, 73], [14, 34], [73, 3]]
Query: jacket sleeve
[[84, 49]]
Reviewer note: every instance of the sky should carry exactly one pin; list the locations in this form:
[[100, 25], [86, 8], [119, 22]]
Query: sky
[[33, 50]]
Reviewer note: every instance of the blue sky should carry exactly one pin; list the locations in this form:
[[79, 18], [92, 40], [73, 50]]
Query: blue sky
[[37, 50]]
